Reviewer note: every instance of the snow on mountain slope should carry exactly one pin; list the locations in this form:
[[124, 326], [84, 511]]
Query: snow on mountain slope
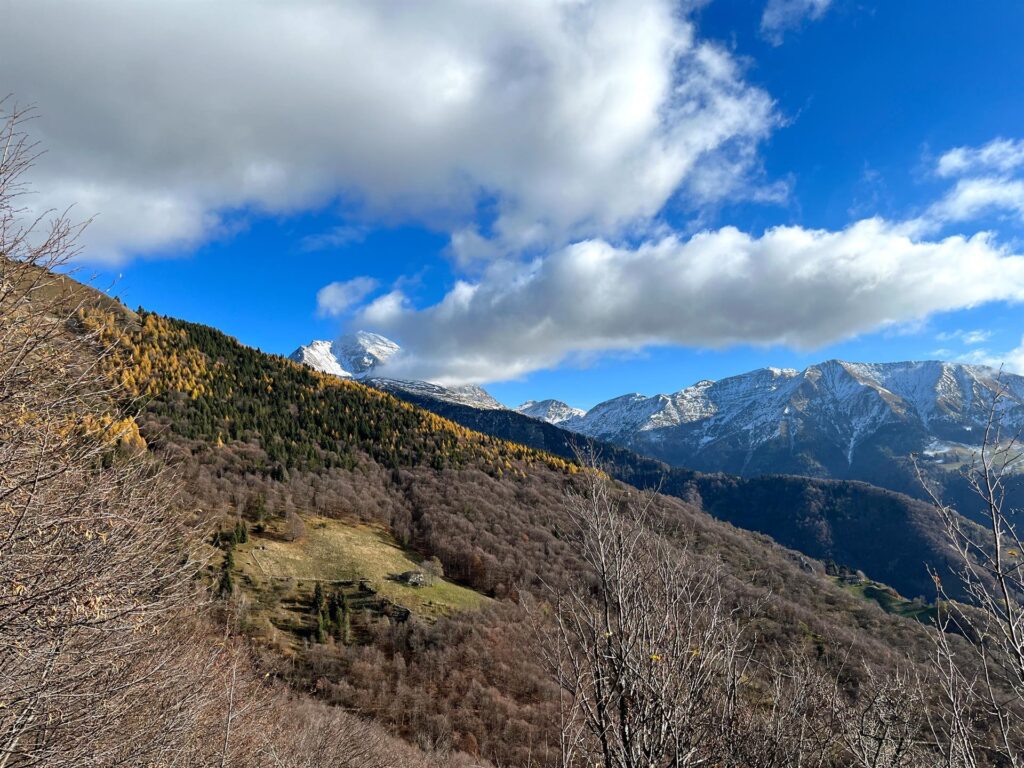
[[362, 352], [475, 397], [364, 356], [812, 420], [320, 356], [355, 355], [551, 411]]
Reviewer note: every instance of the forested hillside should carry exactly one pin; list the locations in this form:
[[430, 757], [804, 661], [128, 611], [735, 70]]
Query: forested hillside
[[260, 441], [891, 537], [354, 556]]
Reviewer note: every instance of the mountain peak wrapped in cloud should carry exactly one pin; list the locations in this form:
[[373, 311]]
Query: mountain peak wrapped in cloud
[[365, 356], [354, 355]]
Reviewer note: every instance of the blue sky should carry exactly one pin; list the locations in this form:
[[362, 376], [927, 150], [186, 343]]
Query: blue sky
[[553, 174]]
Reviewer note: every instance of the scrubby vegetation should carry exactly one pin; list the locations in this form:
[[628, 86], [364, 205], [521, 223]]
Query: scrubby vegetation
[[279, 450], [111, 651], [491, 512]]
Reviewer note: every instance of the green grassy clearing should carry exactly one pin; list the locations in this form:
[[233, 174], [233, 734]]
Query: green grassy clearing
[[338, 551], [888, 599]]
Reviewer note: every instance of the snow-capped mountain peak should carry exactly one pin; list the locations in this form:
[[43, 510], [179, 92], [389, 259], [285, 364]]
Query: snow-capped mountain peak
[[551, 411], [320, 356], [365, 356], [467, 394], [814, 421], [355, 355], [362, 352]]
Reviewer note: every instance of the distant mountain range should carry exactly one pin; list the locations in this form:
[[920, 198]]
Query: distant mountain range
[[836, 419]]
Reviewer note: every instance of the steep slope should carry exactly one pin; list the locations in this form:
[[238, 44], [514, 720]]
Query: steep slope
[[260, 441]]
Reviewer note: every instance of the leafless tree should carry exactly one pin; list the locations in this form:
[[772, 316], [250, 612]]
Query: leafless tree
[[979, 718], [111, 653], [654, 663], [294, 526], [659, 665], [93, 562], [433, 569], [885, 726]]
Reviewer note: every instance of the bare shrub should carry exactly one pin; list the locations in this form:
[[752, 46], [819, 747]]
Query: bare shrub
[[979, 717]]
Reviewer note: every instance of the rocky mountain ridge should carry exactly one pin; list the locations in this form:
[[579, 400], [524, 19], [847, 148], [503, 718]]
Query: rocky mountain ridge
[[826, 420]]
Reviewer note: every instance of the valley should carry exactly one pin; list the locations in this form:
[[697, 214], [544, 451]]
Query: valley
[[876, 423]]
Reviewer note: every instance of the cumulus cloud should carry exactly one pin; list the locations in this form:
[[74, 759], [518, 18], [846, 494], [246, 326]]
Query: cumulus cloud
[[799, 287], [973, 198], [567, 118], [988, 181], [1000, 155], [782, 15], [335, 299]]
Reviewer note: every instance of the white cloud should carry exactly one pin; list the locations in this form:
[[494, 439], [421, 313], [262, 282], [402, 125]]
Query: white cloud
[[976, 337], [969, 338], [976, 197], [386, 310], [987, 182], [334, 238], [568, 118], [1000, 155], [782, 15], [335, 299], [1011, 360], [793, 286]]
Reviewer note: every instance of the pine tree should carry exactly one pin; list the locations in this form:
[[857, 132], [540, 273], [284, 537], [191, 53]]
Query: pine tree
[[344, 623], [321, 628], [226, 584], [319, 602]]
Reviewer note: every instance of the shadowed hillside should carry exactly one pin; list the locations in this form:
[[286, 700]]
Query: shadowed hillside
[[889, 536]]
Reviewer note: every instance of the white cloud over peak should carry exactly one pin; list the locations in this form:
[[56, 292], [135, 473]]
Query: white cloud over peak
[[335, 299], [781, 16], [799, 287], [1011, 360], [568, 118]]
